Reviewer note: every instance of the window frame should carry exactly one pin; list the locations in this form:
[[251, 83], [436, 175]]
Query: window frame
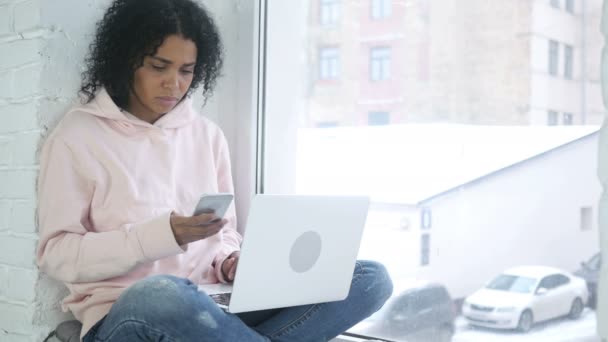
[[568, 61], [553, 57], [552, 117], [329, 12], [331, 62], [380, 9], [380, 63]]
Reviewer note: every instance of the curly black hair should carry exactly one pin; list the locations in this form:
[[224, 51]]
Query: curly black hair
[[133, 29]]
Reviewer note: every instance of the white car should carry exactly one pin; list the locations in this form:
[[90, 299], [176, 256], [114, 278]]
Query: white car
[[522, 296]]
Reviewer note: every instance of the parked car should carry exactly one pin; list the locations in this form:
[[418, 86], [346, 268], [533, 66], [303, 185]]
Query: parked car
[[590, 271], [420, 312], [522, 296]]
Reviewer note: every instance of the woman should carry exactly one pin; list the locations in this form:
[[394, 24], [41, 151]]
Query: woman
[[120, 175]]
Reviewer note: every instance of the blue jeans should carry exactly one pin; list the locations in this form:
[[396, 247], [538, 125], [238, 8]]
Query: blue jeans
[[167, 308]]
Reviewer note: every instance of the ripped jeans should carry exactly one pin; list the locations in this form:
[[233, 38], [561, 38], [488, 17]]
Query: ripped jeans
[[182, 313]]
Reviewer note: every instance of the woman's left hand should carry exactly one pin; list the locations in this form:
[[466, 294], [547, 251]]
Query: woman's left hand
[[229, 266]]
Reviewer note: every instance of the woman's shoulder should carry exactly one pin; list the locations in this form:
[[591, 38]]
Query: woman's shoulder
[[209, 127], [74, 126]]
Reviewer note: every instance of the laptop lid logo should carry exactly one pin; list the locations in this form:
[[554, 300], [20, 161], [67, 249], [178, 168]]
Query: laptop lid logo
[[305, 251]]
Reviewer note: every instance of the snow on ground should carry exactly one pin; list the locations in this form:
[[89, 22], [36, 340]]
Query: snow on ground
[[560, 330]]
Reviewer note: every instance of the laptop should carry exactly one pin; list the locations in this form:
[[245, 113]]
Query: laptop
[[297, 250]]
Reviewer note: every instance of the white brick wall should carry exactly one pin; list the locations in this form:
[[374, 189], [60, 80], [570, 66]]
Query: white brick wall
[[22, 40]]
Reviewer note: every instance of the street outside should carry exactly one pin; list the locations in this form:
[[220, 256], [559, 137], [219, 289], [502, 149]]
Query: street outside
[[559, 330]]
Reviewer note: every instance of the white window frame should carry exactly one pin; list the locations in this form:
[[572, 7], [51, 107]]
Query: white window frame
[[380, 63], [570, 6], [552, 118], [567, 119], [380, 9], [378, 118], [553, 57], [329, 12], [568, 61], [329, 63]]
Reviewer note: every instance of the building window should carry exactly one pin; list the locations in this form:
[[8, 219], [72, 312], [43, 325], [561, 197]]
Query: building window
[[568, 61], [380, 64], [586, 218], [555, 3], [570, 6], [330, 12], [378, 118], [552, 118], [425, 249], [329, 66], [568, 119], [381, 9], [553, 57]]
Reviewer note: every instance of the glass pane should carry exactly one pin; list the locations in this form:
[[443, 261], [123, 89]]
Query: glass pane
[[476, 140]]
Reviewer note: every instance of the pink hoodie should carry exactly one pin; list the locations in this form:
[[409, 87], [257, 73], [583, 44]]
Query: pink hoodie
[[108, 183]]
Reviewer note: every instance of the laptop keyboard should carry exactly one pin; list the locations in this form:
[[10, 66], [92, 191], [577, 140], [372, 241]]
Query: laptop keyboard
[[221, 298]]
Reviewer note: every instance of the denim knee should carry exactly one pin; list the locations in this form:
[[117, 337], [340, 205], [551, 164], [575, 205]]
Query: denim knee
[[160, 298], [378, 282]]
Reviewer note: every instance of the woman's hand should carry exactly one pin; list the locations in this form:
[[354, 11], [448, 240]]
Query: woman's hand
[[229, 266], [188, 229]]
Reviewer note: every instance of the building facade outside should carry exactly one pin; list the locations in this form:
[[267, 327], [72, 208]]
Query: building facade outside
[[519, 62]]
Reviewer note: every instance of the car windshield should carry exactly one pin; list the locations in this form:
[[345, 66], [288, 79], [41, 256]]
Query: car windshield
[[512, 283]]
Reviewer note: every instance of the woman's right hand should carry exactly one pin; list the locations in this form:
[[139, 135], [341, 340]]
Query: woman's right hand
[[187, 229]]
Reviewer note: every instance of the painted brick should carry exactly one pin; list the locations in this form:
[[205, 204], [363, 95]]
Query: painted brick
[[23, 217], [19, 52], [5, 19], [12, 337], [26, 81], [26, 15], [6, 82], [18, 184], [5, 214], [21, 285], [16, 319], [17, 251], [3, 281], [24, 148], [5, 151], [18, 117]]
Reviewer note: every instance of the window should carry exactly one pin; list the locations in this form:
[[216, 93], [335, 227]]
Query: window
[[380, 63], [381, 9], [568, 118], [568, 61], [586, 218], [425, 249], [552, 118], [378, 118], [553, 57], [329, 66], [570, 6], [330, 12], [471, 143], [555, 3]]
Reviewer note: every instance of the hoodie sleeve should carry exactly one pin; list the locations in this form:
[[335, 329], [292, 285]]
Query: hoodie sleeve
[[69, 249], [231, 239]]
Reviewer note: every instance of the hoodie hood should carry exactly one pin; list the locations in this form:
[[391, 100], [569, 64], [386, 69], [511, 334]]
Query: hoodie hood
[[104, 107]]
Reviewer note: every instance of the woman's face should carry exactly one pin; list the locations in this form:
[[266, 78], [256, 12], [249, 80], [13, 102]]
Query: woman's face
[[163, 79]]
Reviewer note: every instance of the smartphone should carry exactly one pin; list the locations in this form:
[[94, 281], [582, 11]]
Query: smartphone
[[218, 203]]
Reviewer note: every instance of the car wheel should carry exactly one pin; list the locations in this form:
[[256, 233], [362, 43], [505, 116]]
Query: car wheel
[[526, 320], [576, 309], [445, 334]]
